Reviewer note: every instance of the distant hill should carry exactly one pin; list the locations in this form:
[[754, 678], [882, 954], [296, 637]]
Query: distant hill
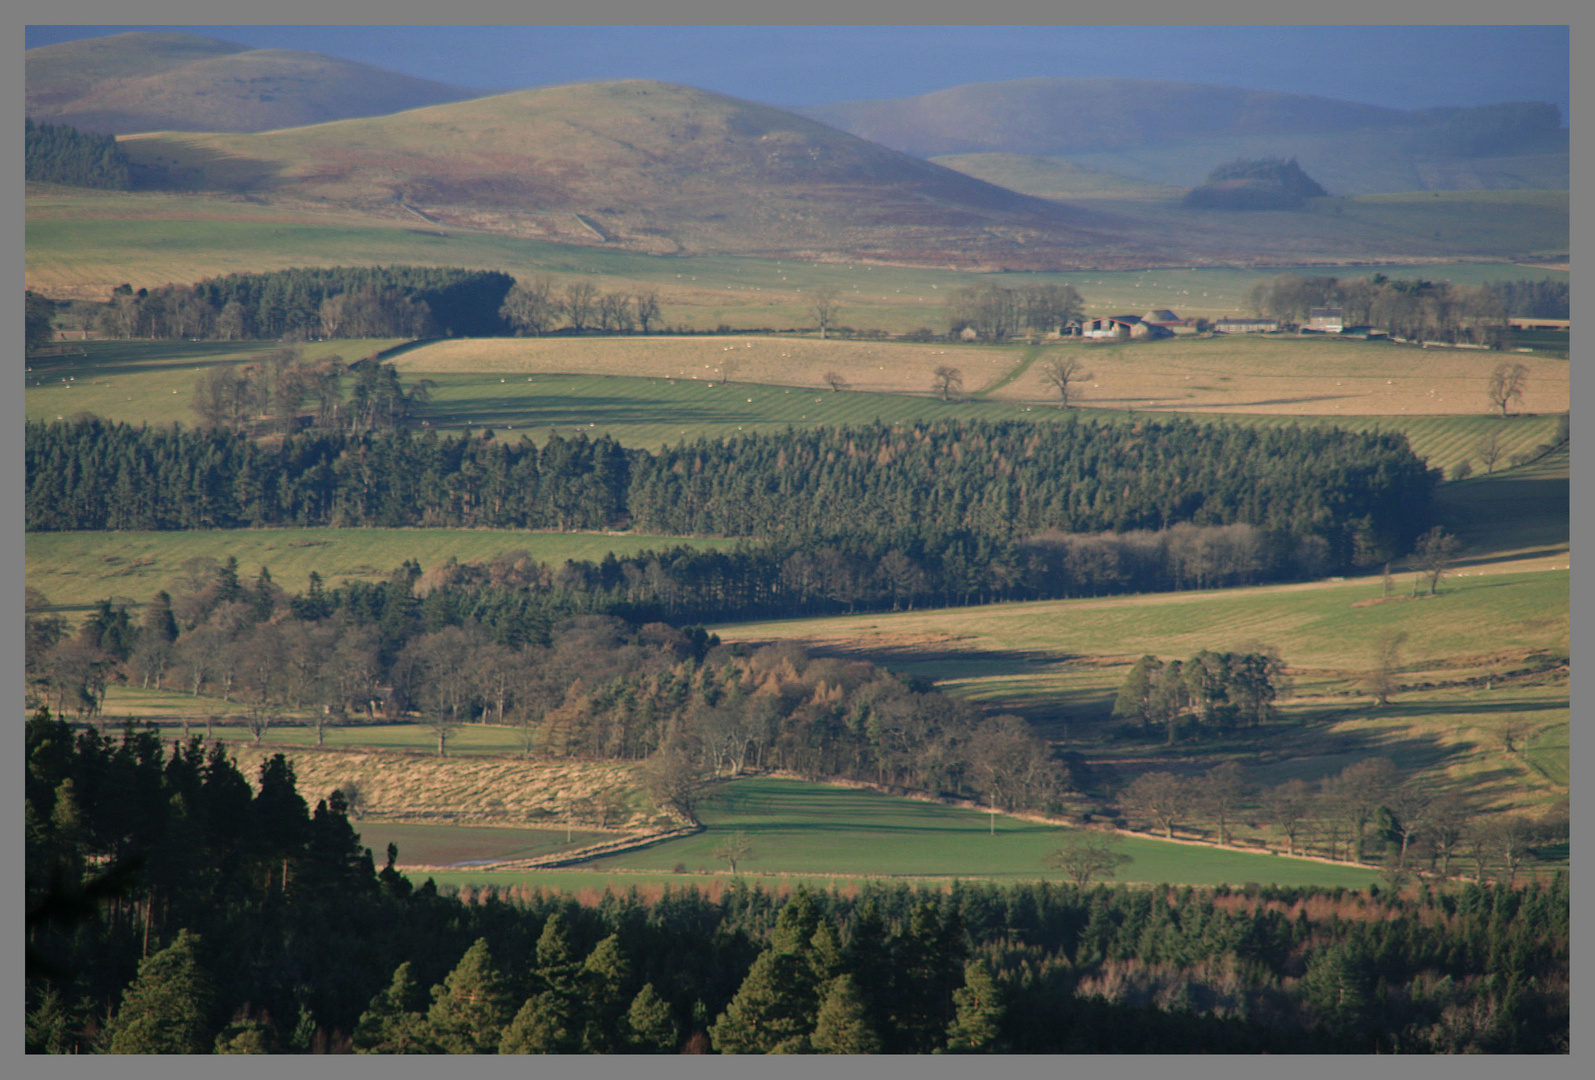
[[179, 82], [647, 166], [1173, 133], [1266, 184], [1059, 116]]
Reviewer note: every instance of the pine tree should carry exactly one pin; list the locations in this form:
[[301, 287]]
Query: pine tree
[[842, 1025], [542, 1026], [389, 1025], [774, 1008], [166, 1010], [975, 1029], [471, 1009]]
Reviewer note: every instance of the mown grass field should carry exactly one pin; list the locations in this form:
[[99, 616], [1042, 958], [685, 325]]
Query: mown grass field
[[82, 244], [814, 829], [1313, 376], [74, 570], [652, 391]]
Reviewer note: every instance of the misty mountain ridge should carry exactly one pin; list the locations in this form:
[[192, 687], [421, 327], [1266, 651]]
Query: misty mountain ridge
[[1173, 133]]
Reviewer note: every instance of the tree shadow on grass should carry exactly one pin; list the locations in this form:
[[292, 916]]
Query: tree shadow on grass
[[565, 411]]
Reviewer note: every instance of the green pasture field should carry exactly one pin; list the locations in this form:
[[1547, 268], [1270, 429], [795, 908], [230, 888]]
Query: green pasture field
[[150, 382], [1519, 512], [76, 569], [83, 245], [815, 829], [656, 412]]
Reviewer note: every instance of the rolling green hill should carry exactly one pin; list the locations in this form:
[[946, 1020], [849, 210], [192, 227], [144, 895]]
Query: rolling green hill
[[181, 82]]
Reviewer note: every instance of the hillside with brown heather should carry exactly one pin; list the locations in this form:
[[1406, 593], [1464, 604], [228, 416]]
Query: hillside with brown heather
[[648, 167], [181, 82]]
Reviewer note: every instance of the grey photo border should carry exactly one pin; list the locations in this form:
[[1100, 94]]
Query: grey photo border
[[708, 12]]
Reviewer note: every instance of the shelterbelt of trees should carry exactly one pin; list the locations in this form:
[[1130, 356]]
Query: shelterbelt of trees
[[174, 907], [321, 302], [1327, 496]]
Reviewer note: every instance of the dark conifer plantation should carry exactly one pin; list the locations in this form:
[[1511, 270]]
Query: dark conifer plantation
[[1316, 497], [61, 154]]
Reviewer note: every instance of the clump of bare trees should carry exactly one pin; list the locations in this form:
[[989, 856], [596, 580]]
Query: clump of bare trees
[[537, 306], [1368, 813], [1413, 310], [996, 313], [285, 390]]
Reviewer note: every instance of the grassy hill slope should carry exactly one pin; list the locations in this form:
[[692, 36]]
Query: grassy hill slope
[[1055, 177], [180, 82]]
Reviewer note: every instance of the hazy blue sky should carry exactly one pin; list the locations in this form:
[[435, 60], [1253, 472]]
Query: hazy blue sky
[[1400, 66]]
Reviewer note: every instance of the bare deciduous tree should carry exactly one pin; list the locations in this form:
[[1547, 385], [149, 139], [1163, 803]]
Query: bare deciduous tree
[[824, 307], [835, 381], [1221, 790], [530, 306], [580, 298], [1381, 681], [1490, 451], [647, 309], [1088, 856], [948, 380], [1160, 797], [1289, 807], [1062, 373], [1436, 548], [1506, 384], [734, 849]]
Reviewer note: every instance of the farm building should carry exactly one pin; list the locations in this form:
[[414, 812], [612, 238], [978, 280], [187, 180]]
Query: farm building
[[1167, 320], [1326, 320], [1246, 326], [1120, 328]]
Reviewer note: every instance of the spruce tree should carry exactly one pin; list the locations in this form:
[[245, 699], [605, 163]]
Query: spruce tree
[[167, 1008]]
